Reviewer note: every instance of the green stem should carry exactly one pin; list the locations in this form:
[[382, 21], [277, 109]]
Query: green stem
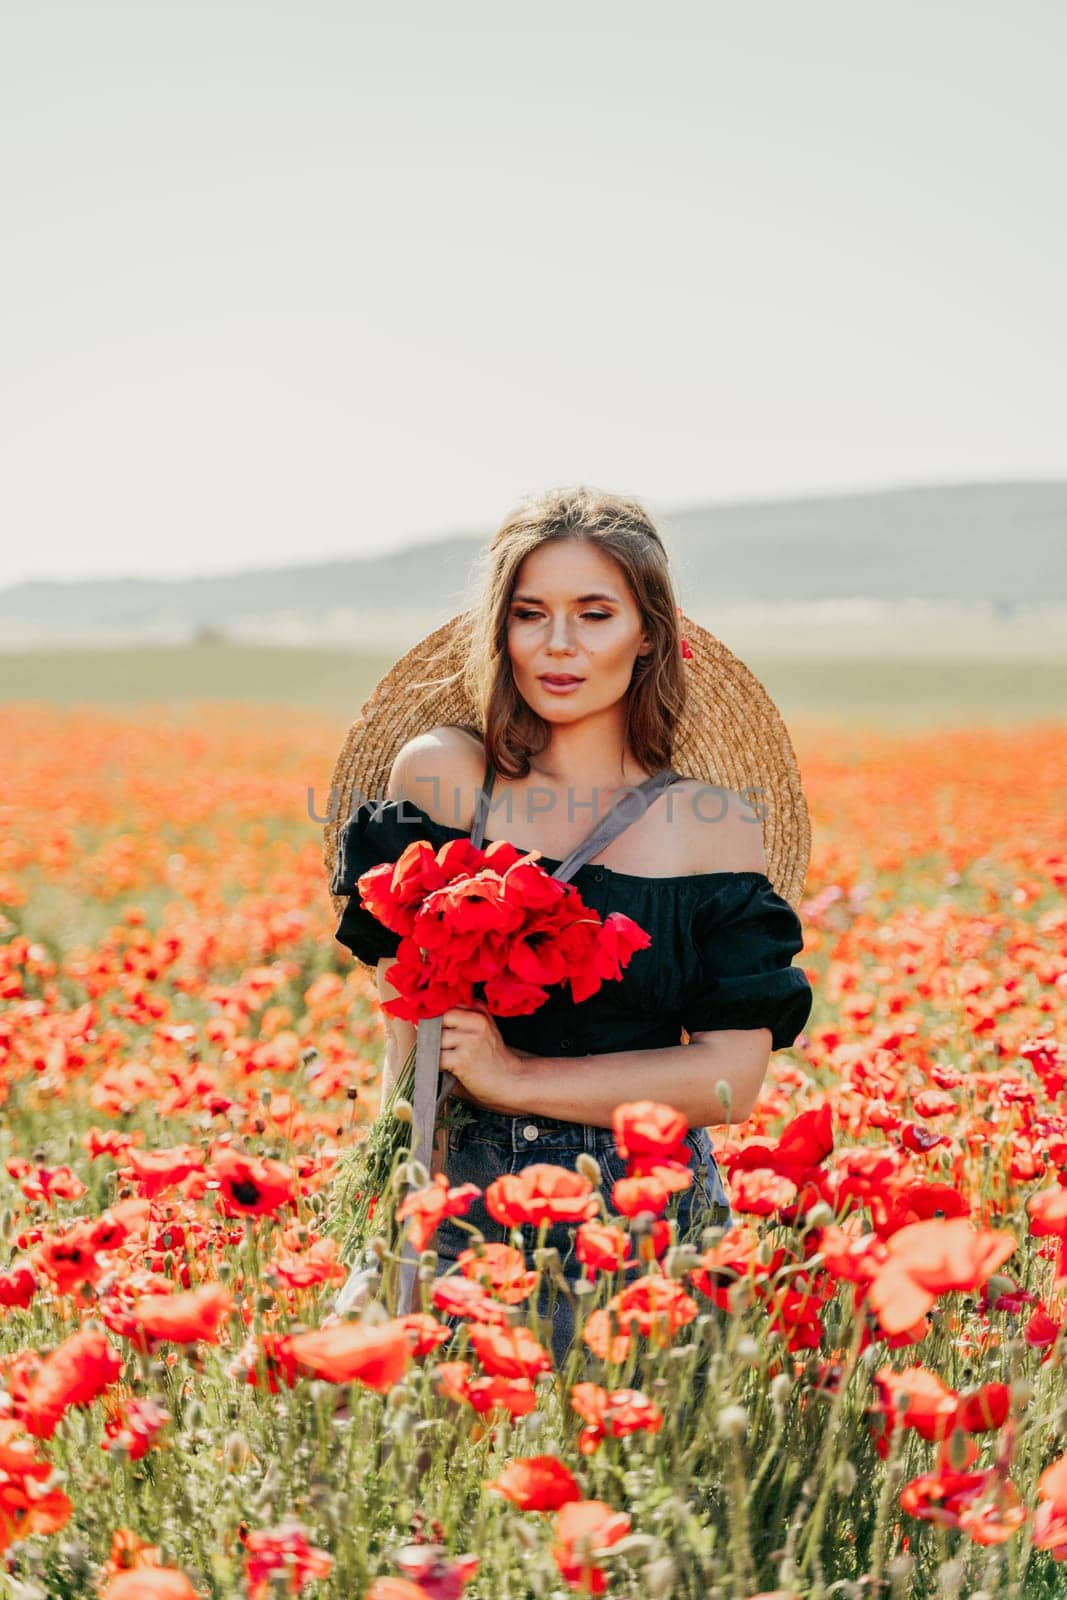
[[831, 1441]]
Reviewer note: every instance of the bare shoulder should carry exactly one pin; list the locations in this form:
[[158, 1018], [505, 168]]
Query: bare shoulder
[[440, 771], [723, 831]]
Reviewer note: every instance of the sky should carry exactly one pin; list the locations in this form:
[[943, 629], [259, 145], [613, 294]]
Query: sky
[[296, 281]]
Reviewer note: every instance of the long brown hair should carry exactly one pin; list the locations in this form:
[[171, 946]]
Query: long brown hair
[[621, 529]]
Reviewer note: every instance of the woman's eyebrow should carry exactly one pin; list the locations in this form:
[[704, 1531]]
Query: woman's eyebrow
[[581, 599]]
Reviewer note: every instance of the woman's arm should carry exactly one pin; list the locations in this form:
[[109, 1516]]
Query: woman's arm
[[685, 1076]]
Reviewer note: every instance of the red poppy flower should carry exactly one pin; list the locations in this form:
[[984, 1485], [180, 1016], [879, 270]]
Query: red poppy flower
[[128, 1550], [984, 1409], [134, 1424], [514, 1395], [540, 1193], [78, 1370], [536, 1483], [350, 1352], [450, 1379], [251, 1186], [502, 1268], [284, 1549], [151, 1583], [597, 1334], [17, 1285], [424, 1209], [396, 1589], [424, 1332], [517, 1396], [645, 1128], [45, 1183], [761, 1194], [271, 1353], [653, 1245], [76, 1256], [1050, 1517], [918, 1202], [929, 1407], [1048, 1215], [156, 1170], [649, 1187], [926, 1259], [849, 1253], [584, 1529], [442, 1576], [955, 1500], [459, 1297], [109, 1141], [393, 891], [317, 1262], [652, 1301], [509, 1352], [617, 1412], [183, 1317], [24, 1507], [602, 1247], [464, 914], [422, 991], [1041, 1331]]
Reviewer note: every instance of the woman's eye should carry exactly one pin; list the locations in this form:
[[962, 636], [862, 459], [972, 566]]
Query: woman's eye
[[596, 616]]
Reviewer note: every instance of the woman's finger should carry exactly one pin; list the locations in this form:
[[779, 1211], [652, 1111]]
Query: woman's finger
[[459, 1017]]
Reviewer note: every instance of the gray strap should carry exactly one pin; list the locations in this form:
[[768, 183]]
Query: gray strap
[[428, 1098], [616, 821]]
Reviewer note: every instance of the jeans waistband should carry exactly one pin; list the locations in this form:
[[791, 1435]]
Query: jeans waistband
[[533, 1130]]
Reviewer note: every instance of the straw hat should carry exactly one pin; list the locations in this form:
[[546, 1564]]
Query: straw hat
[[731, 735]]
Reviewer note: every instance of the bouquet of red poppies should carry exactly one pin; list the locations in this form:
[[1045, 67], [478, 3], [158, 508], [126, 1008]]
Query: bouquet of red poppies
[[489, 924], [476, 926]]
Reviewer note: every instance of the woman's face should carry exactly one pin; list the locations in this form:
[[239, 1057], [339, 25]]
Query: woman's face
[[572, 614]]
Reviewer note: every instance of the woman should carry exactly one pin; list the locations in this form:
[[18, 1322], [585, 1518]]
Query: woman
[[573, 666]]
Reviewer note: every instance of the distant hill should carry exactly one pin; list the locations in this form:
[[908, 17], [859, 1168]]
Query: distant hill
[[999, 549], [1005, 543]]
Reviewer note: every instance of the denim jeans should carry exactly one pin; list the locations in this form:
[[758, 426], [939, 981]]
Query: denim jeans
[[495, 1144]]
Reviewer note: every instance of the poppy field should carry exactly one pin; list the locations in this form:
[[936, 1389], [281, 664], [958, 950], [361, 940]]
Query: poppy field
[[856, 1391]]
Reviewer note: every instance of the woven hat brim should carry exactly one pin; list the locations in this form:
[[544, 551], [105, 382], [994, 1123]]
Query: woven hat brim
[[732, 736]]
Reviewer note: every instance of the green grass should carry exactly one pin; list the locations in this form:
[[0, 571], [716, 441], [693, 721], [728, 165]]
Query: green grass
[[912, 692]]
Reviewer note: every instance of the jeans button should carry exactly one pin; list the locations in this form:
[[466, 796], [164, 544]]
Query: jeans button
[[530, 1131], [566, 1043]]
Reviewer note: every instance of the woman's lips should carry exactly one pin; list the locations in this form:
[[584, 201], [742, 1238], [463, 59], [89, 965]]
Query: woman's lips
[[562, 688]]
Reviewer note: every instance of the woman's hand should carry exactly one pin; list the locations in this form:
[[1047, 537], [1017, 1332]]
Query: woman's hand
[[489, 1072]]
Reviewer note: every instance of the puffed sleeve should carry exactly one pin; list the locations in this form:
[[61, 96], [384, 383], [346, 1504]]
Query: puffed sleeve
[[363, 841], [744, 936]]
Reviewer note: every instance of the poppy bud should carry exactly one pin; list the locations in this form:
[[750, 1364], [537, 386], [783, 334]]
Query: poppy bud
[[236, 1452], [589, 1168], [998, 1284], [680, 1259], [659, 1578], [732, 1422]]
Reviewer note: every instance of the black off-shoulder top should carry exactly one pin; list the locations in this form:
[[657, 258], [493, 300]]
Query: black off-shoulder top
[[721, 953]]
